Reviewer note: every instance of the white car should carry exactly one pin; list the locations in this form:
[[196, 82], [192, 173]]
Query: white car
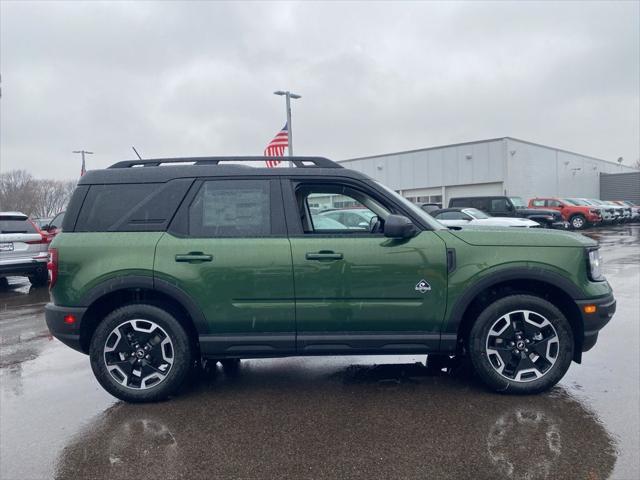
[[458, 217]]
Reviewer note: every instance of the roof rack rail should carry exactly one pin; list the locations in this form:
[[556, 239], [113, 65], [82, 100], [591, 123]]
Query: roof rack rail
[[299, 162]]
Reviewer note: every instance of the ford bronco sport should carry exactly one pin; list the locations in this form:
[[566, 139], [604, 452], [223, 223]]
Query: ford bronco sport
[[187, 259]]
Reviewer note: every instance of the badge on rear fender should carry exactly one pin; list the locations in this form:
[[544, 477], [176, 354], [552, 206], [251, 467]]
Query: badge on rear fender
[[423, 286]]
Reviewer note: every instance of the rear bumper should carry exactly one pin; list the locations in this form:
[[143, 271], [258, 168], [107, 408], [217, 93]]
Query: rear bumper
[[594, 322], [24, 268], [67, 333]]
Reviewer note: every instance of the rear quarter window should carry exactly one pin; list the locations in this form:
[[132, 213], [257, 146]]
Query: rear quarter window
[[131, 207], [16, 226]]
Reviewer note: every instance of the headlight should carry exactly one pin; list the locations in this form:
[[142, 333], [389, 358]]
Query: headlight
[[595, 266]]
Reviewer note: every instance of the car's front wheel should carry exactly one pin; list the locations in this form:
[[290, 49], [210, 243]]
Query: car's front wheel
[[521, 344], [578, 222], [140, 353]]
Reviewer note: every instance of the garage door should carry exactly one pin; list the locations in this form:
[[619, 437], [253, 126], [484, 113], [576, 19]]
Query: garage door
[[477, 190]]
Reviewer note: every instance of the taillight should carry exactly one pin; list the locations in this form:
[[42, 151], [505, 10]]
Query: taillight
[[52, 266]]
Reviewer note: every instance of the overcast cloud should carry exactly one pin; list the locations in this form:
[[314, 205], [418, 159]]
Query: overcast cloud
[[196, 78]]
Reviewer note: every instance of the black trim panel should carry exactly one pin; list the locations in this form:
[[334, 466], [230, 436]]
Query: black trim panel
[[239, 345], [367, 342], [517, 273]]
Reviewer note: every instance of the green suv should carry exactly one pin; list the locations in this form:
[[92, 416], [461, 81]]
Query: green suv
[[163, 263]]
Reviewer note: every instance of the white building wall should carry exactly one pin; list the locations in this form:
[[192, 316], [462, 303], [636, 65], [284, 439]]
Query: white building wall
[[490, 167], [470, 163], [536, 170]]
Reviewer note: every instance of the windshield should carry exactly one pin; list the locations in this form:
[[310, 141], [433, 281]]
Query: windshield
[[517, 202], [417, 211], [573, 201], [475, 213]]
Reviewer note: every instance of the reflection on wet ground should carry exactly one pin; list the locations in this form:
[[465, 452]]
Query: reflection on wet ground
[[344, 417], [313, 419]]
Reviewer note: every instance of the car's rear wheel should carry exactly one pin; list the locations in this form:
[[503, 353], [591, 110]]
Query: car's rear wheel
[[521, 344], [140, 353], [39, 279], [578, 222]]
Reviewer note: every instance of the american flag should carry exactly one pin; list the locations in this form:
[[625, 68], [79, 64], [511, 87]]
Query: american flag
[[276, 147]]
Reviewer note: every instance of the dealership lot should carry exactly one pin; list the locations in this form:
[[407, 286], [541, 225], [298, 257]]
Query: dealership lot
[[345, 417]]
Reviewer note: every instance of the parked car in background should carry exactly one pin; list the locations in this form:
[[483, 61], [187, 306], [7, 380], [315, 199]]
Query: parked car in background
[[578, 216], [41, 222], [618, 211], [607, 213], [430, 207], [627, 213], [350, 217], [635, 209], [53, 227], [499, 206], [23, 248], [458, 217]]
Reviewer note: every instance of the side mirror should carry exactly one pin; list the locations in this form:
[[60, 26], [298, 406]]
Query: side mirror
[[398, 226], [46, 227], [509, 207]]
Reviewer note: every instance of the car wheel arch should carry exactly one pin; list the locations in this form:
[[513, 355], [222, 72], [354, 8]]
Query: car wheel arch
[[147, 291], [545, 284]]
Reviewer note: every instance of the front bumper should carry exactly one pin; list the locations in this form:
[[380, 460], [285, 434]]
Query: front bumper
[[594, 322], [67, 333]]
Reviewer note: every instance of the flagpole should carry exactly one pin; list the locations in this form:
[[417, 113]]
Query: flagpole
[[288, 96], [290, 132]]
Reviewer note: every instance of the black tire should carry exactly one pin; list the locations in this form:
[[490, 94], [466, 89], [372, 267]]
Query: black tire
[[181, 351], [578, 222], [39, 279], [483, 359]]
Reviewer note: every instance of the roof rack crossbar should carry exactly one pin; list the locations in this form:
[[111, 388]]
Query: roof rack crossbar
[[299, 162]]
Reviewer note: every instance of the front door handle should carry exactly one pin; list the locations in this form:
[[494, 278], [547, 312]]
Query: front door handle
[[193, 257], [323, 255]]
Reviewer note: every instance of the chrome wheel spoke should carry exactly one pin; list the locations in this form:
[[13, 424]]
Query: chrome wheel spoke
[[522, 345], [138, 354]]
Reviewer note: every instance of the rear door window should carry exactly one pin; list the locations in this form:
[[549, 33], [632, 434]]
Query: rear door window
[[231, 208]]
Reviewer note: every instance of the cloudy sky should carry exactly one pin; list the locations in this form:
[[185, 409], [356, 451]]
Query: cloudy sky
[[196, 78]]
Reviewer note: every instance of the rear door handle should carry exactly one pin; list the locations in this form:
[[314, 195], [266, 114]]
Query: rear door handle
[[193, 257], [323, 255]]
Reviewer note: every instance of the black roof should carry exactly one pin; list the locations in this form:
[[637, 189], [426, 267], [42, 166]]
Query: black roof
[[165, 169]]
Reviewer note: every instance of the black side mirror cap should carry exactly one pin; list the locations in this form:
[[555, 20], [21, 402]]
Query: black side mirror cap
[[398, 226], [46, 227]]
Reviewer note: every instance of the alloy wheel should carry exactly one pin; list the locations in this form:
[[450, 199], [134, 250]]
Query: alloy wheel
[[138, 354], [522, 346]]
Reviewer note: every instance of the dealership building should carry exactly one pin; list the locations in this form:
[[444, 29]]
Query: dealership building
[[499, 166]]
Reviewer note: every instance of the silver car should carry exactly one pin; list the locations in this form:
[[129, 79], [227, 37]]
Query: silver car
[[23, 248]]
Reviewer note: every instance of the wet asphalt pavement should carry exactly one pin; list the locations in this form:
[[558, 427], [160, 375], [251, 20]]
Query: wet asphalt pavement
[[343, 417]]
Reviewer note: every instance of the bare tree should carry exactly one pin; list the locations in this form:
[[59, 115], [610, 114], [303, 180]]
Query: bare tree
[[19, 191], [52, 196]]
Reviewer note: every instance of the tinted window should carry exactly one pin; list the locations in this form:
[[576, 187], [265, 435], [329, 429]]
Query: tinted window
[[106, 205], [498, 205], [553, 203], [16, 226], [57, 221], [231, 208]]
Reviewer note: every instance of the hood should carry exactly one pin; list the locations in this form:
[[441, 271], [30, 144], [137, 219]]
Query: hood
[[507, 221], [521, 237]]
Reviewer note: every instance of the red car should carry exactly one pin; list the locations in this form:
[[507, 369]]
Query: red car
[[578, 216]]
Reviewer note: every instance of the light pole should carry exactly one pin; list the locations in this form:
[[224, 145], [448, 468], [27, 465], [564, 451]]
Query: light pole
[[288, 96], [83, 153]]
